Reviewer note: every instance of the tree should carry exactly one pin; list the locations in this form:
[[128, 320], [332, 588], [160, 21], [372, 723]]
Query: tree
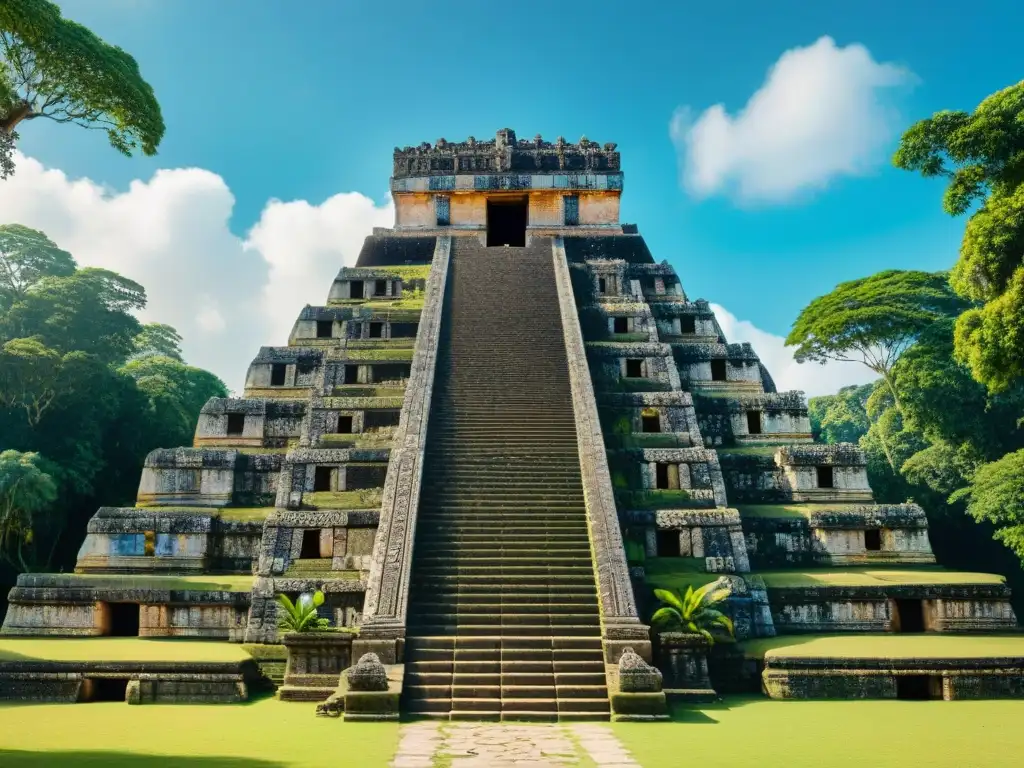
[[53, 68], [25, 490], [27, 256], [158, 339], [842, 417], [996, 495], [873, 320], [695, 611], [982, 156]]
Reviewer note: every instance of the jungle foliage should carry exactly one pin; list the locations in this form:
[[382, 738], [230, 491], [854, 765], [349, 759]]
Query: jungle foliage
[[86, 391]]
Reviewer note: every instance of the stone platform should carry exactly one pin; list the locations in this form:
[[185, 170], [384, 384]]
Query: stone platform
[[136, 671], [892, 666]]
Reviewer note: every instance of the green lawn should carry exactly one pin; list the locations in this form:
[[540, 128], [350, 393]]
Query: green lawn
[[872, 577], [832, 734], [886, 646], [118, 649], [202, 583], [265, 733]]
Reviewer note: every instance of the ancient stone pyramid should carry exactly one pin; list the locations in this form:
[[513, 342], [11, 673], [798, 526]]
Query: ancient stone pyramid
[[505, 422]]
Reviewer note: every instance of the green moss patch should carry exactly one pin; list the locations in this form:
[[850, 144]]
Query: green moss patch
[[677, 573], [118, 649], [885, 646], [366, 499], [239, 514], [655, 499], [363, 390], [873, 577], [203, 583]]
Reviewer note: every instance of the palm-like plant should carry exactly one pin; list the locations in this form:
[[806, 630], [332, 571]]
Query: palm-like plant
[[696, 611], [301, 615]]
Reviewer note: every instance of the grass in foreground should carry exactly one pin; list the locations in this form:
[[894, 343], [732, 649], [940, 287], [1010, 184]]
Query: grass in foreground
[[198, 583], [886, 646], [832, 734], [873, 577], [118, 649], [266, 733]]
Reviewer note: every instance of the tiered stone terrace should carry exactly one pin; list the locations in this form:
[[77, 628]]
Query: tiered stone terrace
[[503, 413]]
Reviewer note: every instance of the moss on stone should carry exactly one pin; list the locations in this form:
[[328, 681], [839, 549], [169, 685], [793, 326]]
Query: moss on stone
[[885, 646], [119, 649], [873, 577], [203, 583], [364, 499]]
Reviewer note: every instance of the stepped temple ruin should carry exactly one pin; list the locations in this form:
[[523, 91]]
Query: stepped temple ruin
[[506, 425]]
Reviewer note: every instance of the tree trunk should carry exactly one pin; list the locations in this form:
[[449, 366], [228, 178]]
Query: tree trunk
[[21, 111]]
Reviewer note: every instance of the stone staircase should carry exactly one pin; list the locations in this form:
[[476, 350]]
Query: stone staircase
[[503, 620]]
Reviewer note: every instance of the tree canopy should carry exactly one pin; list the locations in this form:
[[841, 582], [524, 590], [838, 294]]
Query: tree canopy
[[54, 68], [873, 320], [86, 388], [982, 156]]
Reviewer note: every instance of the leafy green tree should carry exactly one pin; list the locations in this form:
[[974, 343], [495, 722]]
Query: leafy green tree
[[301, 615], [981, 154], [873, 320], [176, 392], [27, 256], [89, 311], [996, 495], [695, 611], [25, 490], [842, 417], [54, 68], [158, 339]]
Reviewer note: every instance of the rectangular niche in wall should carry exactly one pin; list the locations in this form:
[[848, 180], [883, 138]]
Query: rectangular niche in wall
[[620, 325], [668, 543], [753, 422], [344, 425], [602, 286], [351, 374], [355, 289], [376, 330], [277, 373], [687, 324], [634, 369], [718, 370], [310, 544], [322, 479], [873, 539], [650, 421], [236, 423], [380, 287], [826, 477], [324, 329]]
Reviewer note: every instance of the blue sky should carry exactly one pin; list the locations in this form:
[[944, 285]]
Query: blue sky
[[300, 101]]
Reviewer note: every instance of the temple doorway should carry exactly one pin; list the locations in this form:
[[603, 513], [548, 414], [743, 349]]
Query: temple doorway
[[506, 222]]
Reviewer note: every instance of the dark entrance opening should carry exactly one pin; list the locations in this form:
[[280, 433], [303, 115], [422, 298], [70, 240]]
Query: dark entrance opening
[[826, 478], [378, 419], [310, 544], [718, 370], [650, 423], [918, 687], [344, 425], [236, 423], [124, 620], [634, 369], [380, 288], [277, 371], [107, 688], [404, 330], [873, 539], [324, 329], [661, 476], [376, 330], [754, 422], [322, 479], [687, 324], [909, 615], [602, 285], [351, 374], [506, 222], [668, 544], [620, 325], [355, 289]]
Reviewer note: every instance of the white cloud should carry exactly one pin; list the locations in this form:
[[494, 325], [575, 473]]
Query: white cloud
[[812, 378], [225, 294], [823, 111]]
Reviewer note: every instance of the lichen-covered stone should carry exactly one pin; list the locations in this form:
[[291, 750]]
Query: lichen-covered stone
[[368, 674]]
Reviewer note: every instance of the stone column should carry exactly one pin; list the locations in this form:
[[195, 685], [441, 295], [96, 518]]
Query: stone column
[[620, 625], [387, 588]]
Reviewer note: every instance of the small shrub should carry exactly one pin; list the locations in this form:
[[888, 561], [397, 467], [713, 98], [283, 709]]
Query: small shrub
[[695, 611], [301, 615]]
